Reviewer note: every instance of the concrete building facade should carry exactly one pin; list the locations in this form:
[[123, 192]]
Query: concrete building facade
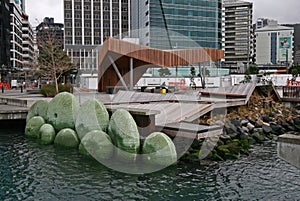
[[180, 24], [16, 46], [48, 28], [28, 43], [87, 24], [238, 34], [4, 34], [274, 45]]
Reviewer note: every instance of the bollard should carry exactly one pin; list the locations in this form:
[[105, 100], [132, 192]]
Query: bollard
[[21, 88], [2, 89]]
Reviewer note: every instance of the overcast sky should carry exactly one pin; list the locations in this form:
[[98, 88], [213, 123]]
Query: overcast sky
[[285, 11]]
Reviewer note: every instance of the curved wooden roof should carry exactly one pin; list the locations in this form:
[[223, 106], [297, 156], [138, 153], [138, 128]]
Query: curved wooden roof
[[121, 51], [163, 58]]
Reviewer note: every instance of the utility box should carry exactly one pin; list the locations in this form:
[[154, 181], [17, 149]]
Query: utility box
[[14, 84]]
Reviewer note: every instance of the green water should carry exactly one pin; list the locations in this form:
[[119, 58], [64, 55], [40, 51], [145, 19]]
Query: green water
[[30, 171]]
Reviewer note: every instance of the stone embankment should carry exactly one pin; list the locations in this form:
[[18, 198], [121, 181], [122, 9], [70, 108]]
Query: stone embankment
[[263, 119]]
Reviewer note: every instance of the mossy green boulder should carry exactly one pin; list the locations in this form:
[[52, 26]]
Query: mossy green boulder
[[47, 134], [67, 138], [159, 149], [92, 115], [97, 144], [32, 129], [39, 108], [124, 133], [62, 111]]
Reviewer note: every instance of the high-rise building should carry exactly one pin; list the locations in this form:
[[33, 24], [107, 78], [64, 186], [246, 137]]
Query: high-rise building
[[274, 45], [4, 34], [238, 34], [27, 42], [49, 29], [87, 24], [169, 24], [16, 46]]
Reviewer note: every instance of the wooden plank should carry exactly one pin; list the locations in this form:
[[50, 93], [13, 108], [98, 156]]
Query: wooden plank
[[224, 94], [132, 110], [190, 127], [191, 135]]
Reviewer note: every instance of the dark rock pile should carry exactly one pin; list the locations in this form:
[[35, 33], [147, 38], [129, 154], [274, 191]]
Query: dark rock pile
[[263, 119]]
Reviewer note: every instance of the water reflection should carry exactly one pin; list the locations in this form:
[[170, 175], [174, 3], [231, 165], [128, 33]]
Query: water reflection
[[32, 171]]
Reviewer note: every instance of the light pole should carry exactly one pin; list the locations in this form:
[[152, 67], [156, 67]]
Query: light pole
[[286, 60]]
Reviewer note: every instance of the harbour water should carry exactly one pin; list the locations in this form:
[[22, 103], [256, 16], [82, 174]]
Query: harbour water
[[30, 171]]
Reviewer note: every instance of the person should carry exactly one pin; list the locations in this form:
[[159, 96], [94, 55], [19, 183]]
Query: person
[[285, 43], [199, 95]]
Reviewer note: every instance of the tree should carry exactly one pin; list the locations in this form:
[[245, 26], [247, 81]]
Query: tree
[[203, 72], [53, 62], [294, 70], [164, 72], [252, 69], [193, 74]]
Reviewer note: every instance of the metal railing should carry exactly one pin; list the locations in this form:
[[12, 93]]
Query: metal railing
[[291, 91]]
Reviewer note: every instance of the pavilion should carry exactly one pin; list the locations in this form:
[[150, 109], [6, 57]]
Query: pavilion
[[122, 63]]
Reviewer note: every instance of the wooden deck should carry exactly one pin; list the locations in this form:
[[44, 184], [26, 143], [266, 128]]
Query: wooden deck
[[168, 112], [174, 113]]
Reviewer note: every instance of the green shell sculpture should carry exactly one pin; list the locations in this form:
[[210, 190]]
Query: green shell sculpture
[[92, 115], [62, 111], [159, 149], [97, 144], [67, 138], [47, 133], [32, 129], [124, 134], [39, 108]]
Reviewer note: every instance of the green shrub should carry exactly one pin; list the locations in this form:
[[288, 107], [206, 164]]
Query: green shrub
[[48, 90], [65, 88]]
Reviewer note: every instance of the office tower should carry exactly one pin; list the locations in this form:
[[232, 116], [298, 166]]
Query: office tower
[[87, 24], [238, 32], [169, 24], [272, 44]]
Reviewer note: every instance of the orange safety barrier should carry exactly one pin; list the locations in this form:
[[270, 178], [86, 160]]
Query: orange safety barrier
[[180, 84], [3, 84]]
